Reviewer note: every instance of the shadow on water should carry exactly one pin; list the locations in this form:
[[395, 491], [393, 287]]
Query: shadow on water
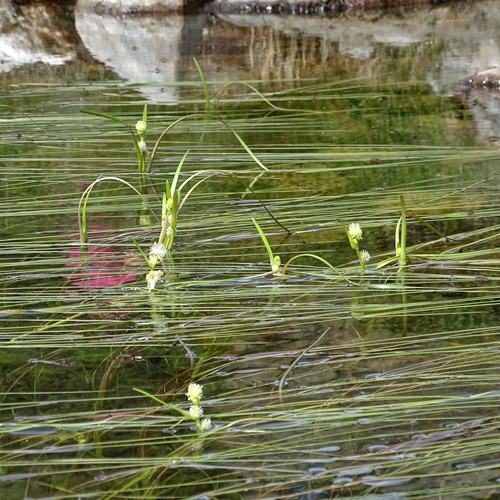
[[378, 384]]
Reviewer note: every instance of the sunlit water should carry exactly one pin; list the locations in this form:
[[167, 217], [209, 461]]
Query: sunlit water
[[380, 385]]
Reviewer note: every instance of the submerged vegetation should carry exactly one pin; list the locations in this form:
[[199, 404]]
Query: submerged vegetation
[[365, 366]]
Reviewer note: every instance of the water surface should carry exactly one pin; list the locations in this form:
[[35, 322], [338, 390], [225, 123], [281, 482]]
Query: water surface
[[380, 387]]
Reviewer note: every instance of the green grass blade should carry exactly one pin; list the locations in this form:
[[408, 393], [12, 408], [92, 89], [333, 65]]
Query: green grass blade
[[318, 258], [82, 222], [141, 251], [203, 82], [178, 171], [158, 400], [138, 152], [104, 115], [266, 243], [192, 188], [243, 143], [162, 135], [82, 225], [402, 247]]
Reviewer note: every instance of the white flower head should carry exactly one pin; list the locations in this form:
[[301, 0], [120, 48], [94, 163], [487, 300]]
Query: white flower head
[[143, 148], [355, 231], [205, 424], [158, 250], [152, 278], [195, 411], [140, 126], [195, 393], [365, 256]]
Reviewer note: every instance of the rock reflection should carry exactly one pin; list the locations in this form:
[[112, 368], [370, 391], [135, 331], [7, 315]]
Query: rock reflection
[[140, 49], [33, 33], [484, 105], [441, 46], [462, 39]]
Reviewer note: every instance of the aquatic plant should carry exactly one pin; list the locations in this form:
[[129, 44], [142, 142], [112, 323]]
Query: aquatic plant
[[331, 382], [141, 126], [194, 395], [355, 235], [171, 207]]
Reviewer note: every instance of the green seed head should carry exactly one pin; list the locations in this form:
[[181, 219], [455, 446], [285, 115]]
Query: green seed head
[[276, 264], [141, 128]]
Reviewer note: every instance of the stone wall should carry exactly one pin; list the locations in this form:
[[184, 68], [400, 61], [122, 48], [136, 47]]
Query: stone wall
[[113, 7], [305, 7]]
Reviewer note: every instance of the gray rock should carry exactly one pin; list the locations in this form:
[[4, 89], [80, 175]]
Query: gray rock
[[487, 79]]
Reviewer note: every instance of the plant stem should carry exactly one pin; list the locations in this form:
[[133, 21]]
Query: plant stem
[[402, 247]]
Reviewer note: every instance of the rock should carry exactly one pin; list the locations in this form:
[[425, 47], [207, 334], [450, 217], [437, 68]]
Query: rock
[[32, 33], [114, 7], [302, 7], [487, 79]]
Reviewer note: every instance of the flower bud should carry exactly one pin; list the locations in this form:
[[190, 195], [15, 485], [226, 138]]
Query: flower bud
[[141, 128]]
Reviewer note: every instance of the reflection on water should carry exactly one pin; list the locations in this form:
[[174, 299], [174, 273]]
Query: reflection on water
[[33, 33], [143, 49], [385, 382], [99, 267], [441, 45]]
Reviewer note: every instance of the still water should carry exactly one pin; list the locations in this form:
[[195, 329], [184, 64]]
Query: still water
[[380, 384]]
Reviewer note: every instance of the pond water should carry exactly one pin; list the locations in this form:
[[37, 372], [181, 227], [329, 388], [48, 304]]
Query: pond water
[[323, 382]]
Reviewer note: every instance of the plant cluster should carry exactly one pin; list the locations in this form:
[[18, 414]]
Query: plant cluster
[[172, 203], [194, 395]]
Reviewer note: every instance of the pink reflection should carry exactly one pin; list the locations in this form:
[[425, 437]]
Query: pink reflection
[[102, 267]]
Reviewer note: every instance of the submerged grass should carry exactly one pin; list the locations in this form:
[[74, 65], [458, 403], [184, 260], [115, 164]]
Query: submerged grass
[[326, 380]]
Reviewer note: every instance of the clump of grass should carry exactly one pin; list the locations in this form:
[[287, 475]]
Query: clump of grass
[[171, 207], [354, 234]]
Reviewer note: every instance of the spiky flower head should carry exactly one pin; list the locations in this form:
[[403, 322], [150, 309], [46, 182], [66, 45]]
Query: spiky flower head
[[196, 411], [156, 254], [140, 126], [152, 278], [355, 231], [205, 424], [365, 256], [195, 393], [158, 250]]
